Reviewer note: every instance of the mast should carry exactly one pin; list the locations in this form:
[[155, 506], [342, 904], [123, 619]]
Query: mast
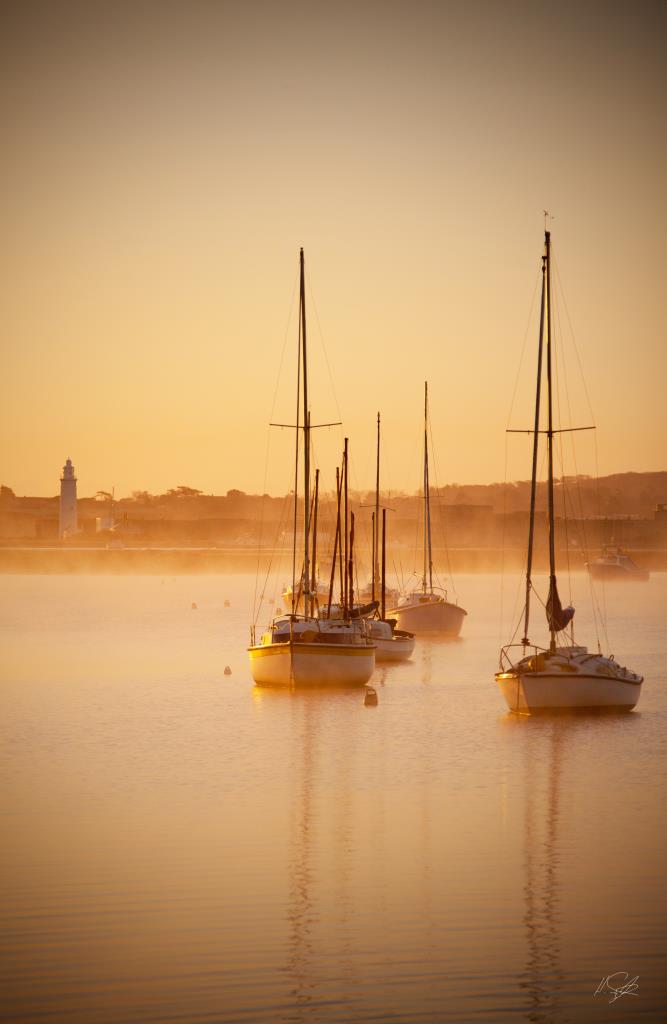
[[550, 443], [384, 564], [336, 542], [428, 558], [345, 549], [306, 437], [533, 482], [373, 543], [313, 579], [376, 545], [350, 568]]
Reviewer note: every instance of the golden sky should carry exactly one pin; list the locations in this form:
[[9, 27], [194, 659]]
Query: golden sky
[[163, 162]]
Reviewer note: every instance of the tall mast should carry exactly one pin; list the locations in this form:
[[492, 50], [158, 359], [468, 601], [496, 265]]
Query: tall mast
[[376, 545], [313, 578], [428, 558], [550, 442], [533, 483], [306, 438], [336, 543], [350, 567], [383, 591], [346, 519]]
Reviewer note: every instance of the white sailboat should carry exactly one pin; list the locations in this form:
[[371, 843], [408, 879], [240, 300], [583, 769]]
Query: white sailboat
[[615, 564], [366, 613], [427, 610], [301, 649], [564, 675], [393, 643]]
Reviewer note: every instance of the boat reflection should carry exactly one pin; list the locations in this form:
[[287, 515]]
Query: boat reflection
[[301, 913], [543, 977], [544, 980], [310, 940]]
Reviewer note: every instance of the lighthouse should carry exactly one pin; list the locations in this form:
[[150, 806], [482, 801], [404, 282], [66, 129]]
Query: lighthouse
[[68, 521]]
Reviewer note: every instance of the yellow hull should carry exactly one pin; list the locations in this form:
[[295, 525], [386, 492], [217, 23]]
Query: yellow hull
[[318, 664]]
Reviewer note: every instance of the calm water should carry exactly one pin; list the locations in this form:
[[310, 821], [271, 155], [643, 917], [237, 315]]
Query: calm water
[[180, 846]]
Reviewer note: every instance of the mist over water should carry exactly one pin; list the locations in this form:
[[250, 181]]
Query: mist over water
[[182, 846]]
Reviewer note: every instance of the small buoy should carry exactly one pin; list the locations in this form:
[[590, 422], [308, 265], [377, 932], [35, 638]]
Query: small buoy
[[228, 670], [226, 604], [194, 606], [371, 698]]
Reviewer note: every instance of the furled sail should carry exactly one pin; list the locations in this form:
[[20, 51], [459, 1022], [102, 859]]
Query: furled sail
[[557, 616]]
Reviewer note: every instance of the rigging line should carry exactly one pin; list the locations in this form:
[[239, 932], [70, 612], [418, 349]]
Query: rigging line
[[268, 443], [523, 346], [561, 359], [501, 632], [442, 516], [260, 539], [560, 376], [520, 586], [561, 292], [599, 507], [599, 623], [577, 484], [296, 456], [281, 520], [563, 488], [284, 346], [324, 350]]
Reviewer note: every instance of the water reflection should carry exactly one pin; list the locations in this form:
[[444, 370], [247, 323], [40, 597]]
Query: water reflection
[[547, 741], [543, 976], [429, 650], [300, 911]]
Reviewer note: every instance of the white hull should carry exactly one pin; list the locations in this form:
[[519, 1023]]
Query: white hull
[[438, 617], [569, 679], [316, 664], [534, 693], [394, 648]]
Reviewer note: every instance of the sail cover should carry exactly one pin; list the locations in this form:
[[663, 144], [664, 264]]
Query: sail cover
[[557, 616]]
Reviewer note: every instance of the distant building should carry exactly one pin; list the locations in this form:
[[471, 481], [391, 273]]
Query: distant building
[[68, 519]]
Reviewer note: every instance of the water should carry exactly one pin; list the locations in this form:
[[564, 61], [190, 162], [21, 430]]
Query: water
[[181, 846]]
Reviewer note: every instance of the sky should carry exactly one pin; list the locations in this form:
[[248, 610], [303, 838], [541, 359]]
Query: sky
[[164, 161]]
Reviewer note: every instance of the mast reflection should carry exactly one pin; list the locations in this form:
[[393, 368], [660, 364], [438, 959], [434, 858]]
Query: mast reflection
[[543, 976]]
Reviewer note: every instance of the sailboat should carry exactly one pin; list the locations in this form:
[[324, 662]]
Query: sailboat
[[369, 592], [564, 675], [615, 564], [427, 610], [300, 649], [391, 644]]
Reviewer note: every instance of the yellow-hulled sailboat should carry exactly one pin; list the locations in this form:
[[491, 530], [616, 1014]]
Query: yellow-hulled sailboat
[[299, 649]]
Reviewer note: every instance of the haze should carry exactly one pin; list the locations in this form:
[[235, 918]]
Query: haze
[[163, 162]]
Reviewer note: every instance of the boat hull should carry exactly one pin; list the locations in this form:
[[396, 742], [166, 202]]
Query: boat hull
[[543, 691], [439, 618], [316, 664], [395, 648], [615, 572]]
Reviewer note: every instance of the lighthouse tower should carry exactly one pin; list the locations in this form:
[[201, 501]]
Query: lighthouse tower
[[68, 521]]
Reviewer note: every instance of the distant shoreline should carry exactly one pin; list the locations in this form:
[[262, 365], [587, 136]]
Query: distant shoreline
[[185, 561]]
